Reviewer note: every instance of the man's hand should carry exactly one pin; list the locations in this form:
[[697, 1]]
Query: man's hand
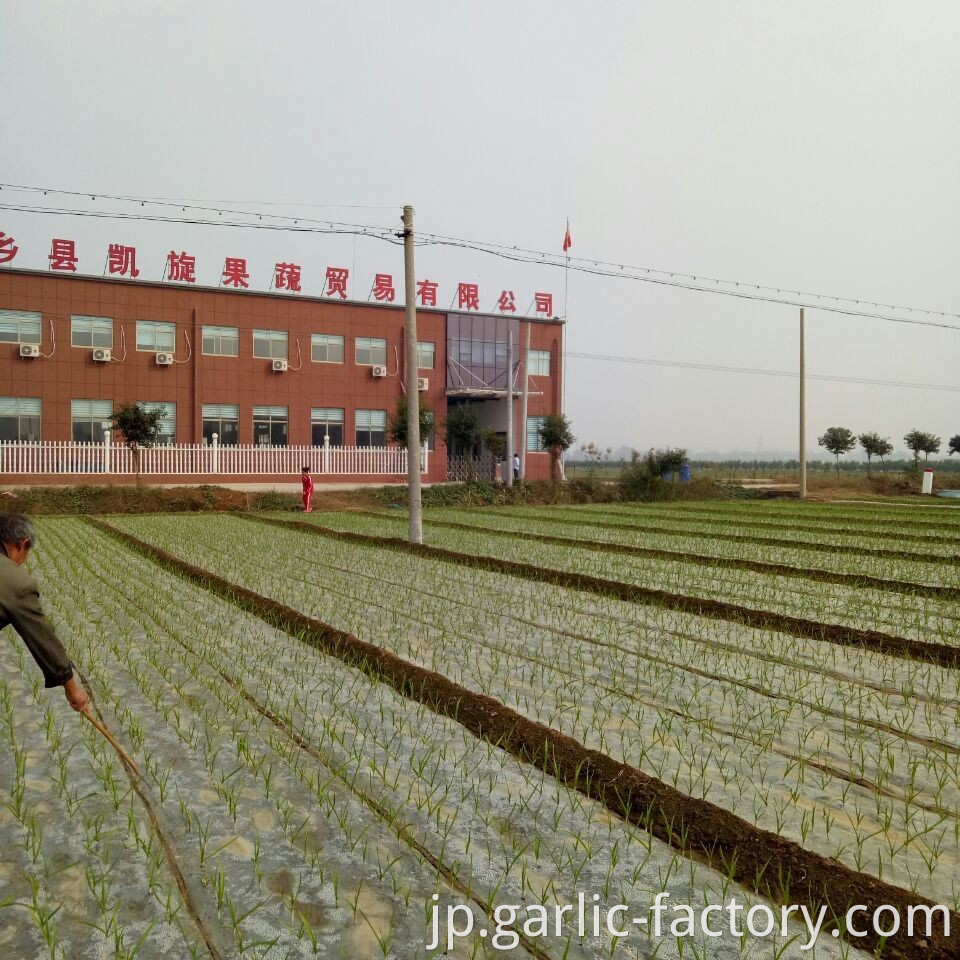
[[77, 697]]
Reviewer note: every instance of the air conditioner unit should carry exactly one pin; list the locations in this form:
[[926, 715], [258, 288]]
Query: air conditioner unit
[[423, 383], [279, 366], [102, 355], [29, 350], [164, 359], [378, 371]]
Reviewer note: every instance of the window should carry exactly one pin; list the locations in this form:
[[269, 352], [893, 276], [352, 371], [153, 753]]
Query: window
[[371, 428], [327, 421], [431, 436], [425, 354], [90, 418], [168, 425], [534, 443], [326, 348], [270, 344], [91, 332], [19, 419], [538, 363], [371, 352], [18, 326], [270, 426], [221, 341], [155, 336], [222, 419]]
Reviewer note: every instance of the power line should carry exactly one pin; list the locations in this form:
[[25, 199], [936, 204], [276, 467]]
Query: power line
[[759, 371], [553, 260], [660, 277], [348, 229], [208, 206]]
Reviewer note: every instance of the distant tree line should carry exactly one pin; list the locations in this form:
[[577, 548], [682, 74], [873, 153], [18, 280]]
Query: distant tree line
[[841, 440]]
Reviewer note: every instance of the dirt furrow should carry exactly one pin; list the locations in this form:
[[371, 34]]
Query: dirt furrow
[[731, 563], [885, 643], [808, 545]]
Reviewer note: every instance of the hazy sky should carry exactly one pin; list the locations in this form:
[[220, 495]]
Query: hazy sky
[[814, 146]]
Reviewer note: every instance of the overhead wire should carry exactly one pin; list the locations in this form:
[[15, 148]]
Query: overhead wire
[[670, 278]]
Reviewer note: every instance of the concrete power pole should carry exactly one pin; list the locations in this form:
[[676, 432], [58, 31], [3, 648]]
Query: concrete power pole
[[524, 398], [414, 503], [803, 413], [508, 459]]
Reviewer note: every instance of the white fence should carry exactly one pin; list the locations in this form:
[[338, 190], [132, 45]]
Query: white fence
[[194, 459]]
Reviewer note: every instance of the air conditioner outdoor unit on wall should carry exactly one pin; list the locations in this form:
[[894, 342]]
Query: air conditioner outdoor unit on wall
[[102, 355], [378, 371], [164, 359], [279, 366], [423, 383], [29, 350]]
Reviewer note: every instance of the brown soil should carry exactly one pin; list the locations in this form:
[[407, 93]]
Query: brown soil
[[818, 546], [886, 643], [186, 897], [772, 865], [730, 563]]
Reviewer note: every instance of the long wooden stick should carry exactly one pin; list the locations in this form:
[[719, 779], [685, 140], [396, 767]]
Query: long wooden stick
[[124, 756]]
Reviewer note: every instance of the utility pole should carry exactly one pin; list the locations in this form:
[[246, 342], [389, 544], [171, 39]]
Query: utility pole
[[803, 413], [508, 473], [525, 396], [414, 503]]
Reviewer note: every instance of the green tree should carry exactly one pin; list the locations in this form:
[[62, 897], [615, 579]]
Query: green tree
[[495, 442], [838, 440], [139, 428], [954, 445], [875, 446], [397, 428], [919, 441], [556, 435], [463, 430]]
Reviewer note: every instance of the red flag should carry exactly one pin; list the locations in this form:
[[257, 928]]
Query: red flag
[[567, 242]]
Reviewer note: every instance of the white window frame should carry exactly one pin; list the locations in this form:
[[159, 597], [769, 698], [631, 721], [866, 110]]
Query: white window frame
[[167, 432], [369, 420], [325, 341], [369, 344], [93, 326], [94, 418], [322, 415], [13, 408], [271, 337], [154, 327], [221, 335], [534, 444], [274, 414], [422, 347], [538, 363], [20, 318], [222, 413]]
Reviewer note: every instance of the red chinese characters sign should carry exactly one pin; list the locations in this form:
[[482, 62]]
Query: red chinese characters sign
[[181, 267]]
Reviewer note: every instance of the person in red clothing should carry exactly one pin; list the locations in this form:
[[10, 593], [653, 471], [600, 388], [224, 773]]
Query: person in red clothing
[[307, 490]]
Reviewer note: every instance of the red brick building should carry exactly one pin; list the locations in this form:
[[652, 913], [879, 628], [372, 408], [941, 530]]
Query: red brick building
[[207, 355]]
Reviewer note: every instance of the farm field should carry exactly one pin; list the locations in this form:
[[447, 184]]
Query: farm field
[[300, 801]]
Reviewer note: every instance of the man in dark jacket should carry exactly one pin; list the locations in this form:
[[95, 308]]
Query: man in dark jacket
[[20, 607]]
